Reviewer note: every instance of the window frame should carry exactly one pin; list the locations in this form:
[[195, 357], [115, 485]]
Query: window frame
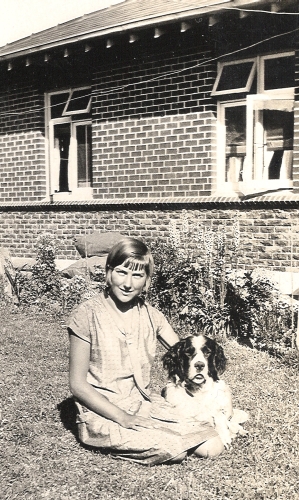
[[222, 65], [221, 145], [75, 176], [252, 178], [261, 73], [76, 112], [75, 193]]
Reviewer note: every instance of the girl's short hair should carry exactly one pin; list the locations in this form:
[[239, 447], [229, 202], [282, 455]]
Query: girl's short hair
[[130, 253]]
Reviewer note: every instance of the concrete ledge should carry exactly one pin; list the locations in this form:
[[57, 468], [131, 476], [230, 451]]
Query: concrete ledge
[[277, 198], [27, 263], [287, 281]]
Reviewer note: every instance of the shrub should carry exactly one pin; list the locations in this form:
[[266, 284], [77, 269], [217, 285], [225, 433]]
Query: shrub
[[43, 283], [73, 291], [45, 288], [198, 285], [247, 295], [190, 281]]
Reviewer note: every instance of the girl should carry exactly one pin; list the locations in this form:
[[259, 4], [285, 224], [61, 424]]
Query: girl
[[112, 348]]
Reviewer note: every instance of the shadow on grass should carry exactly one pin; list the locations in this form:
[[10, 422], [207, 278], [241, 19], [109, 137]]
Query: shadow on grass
[[67, 410]]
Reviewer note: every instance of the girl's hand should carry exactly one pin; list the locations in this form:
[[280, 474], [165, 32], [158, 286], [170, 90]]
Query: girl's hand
[[135, 423]]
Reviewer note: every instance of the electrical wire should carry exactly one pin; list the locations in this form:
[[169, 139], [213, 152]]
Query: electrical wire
[[112, 90], [241, 9]]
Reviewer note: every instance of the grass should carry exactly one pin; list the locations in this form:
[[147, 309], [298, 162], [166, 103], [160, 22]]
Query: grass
[[42, 459]]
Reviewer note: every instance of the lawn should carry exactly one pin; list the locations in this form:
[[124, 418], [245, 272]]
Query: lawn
[[41, 458]]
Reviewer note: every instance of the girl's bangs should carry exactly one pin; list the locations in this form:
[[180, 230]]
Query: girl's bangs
[[135, 264]]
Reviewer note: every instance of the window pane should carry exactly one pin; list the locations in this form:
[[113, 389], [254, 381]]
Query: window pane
[[79, 101], [235, 122], [62, 135], [279, 130], [279, 73], [84, 155], [234, 76], [57, 103]]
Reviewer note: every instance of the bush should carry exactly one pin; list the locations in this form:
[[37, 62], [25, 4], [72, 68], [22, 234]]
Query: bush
[[190, 281], [45, 288], [198, 286]]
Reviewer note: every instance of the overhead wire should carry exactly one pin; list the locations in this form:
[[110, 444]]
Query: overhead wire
[[206, 61], [260, 11], [109, 91]]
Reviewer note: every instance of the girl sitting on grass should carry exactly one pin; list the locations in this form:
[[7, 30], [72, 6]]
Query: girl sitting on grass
[[112, 348]]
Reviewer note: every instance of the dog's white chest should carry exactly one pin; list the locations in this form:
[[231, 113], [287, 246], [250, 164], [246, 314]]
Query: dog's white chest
[[201, 404]]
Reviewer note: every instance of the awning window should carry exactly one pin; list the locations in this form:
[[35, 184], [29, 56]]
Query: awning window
[[235, 77], [79, 101]]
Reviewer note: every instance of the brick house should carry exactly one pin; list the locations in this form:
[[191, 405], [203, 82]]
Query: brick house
[[121, 118]]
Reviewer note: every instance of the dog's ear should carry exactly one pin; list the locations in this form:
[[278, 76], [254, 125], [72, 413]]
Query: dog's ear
[[220, 359], [174, 360], [171, 361], [216, 360]]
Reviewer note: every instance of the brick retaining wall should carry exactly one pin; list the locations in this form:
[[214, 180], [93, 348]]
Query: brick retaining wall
[[269, 236]]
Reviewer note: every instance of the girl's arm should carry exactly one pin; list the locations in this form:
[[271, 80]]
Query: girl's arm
[[167, 336], [88, 395]]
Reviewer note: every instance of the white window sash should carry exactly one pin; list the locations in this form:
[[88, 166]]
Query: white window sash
[[254, 180], [261, 73], [249, 82], [55, 155], [72, 160], [254, 167], [78, 111], [73, 177]]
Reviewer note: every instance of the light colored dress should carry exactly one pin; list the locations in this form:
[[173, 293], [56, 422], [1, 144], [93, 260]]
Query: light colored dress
[[120, 366]]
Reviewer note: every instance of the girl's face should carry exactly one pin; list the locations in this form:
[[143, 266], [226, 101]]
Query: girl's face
[[126, 284]]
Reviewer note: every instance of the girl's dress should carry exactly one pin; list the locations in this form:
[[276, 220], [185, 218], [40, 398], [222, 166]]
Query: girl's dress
[[120, 365]]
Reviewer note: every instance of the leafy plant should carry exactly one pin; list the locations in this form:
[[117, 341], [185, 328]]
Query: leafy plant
[[190, 282], [44, 282], [79, 288], [198, 285], [46, 288]]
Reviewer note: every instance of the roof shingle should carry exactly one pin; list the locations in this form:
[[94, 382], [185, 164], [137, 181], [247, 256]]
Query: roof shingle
[[130, 14]]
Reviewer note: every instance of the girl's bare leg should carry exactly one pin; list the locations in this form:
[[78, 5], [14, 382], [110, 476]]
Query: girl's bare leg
[[210, 449]]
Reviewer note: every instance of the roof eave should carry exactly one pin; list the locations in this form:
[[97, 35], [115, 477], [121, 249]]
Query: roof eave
[[150, 21]]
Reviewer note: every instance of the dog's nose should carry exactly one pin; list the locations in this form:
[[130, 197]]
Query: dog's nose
[[199, 366]]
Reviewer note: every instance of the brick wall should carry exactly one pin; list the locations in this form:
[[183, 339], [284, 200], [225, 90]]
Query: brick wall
[[269, 236], [153, 126], [161, 157], [296, 128], [22, 144], [154, 138], [155, 134]]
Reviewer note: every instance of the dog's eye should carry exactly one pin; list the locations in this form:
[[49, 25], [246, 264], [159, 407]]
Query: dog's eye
[[206, 351]]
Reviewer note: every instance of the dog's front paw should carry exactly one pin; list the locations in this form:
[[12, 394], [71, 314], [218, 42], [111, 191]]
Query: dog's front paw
[[236, 429], [226, 440]]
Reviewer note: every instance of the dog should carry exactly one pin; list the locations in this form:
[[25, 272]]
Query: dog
[[194, 365]]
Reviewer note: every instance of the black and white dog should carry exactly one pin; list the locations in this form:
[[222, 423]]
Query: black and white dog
[[194, 365]]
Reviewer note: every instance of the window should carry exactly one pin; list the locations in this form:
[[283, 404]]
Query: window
[[255, 147], [70, 146], [78, 102], [278, 72], [234, 77]]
